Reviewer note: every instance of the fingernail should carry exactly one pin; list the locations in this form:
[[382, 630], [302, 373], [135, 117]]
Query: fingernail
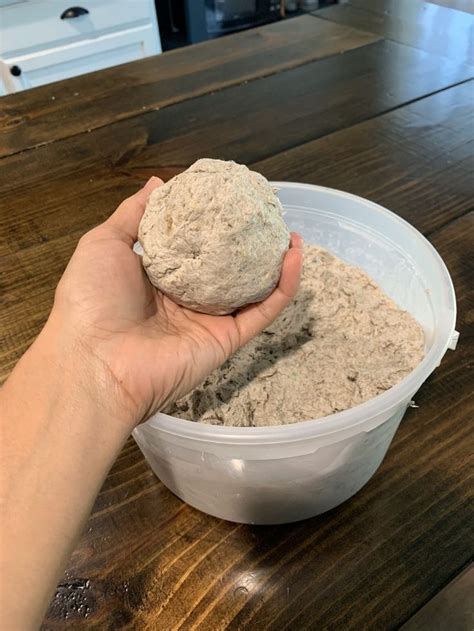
[[152, 180]]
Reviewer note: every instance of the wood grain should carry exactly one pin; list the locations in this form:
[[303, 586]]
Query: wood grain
[[150, 562], [38, 233], [417, 161], [424, 25], [70, 107], [365, 121], [247, 122], [452, 608]]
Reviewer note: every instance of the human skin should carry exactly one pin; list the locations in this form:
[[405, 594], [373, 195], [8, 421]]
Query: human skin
[[113, 351]]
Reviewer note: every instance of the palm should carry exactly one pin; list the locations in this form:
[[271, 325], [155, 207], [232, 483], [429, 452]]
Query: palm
[[155, 349]]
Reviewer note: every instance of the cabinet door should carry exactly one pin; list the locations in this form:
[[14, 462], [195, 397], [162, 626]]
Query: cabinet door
[[63, 62], [30, 26]]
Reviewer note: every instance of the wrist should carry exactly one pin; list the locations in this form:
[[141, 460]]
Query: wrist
[[61, 368]]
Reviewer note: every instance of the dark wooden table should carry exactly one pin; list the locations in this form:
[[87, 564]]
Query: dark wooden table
[[374, 97]]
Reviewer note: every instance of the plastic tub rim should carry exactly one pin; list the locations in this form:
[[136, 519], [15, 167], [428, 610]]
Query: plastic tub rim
[[379, 405]]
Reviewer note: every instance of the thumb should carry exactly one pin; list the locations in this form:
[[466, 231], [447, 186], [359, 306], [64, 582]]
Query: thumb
[[127, 217], [252, 319]]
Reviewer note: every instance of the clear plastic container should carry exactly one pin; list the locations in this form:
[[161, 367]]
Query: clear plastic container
[[271, 475]]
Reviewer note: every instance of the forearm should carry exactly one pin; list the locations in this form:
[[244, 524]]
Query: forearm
[[59, 439]]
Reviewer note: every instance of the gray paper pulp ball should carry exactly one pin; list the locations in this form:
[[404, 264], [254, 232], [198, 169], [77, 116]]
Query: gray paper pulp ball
[[213, 237]]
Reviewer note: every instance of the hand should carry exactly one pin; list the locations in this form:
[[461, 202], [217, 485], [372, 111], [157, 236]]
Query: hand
[[151, 350], [114, 350]]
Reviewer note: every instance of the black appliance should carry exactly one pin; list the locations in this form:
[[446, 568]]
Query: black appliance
[[190, 21]]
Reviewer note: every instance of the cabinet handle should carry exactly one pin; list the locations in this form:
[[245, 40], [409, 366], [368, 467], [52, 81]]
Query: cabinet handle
[[73, 12], [15, 71]]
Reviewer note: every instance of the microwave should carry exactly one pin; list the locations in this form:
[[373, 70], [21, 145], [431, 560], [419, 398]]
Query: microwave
[[190, 21], [223, 16]]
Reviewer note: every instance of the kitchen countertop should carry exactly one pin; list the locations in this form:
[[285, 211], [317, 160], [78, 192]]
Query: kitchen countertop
[[374, 97]]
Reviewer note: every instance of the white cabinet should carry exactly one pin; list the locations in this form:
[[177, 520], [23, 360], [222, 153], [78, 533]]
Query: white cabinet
[[47, 40]]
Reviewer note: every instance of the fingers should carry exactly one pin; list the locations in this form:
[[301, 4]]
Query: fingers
[[291, 270], [296, 240], [253, 319], [127, 217]]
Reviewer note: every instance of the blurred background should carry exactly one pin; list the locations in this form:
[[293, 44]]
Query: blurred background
[[185, 21], [42, 41]]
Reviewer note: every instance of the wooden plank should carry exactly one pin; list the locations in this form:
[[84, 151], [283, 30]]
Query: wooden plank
[[452, 608], [247, 122], [70, 107], [417, 160], [37, 246], [367, 564], [430, 27], [406, 151]]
